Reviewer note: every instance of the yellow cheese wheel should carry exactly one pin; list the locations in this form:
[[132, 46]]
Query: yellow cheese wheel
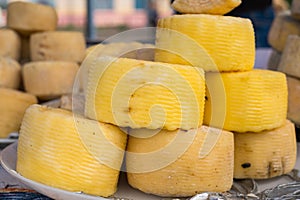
[[49, 79], [10, 73], [253, 101], [168, 163], [212, 42], [10, 44], [27, 18], [57, 45], [13, 104], [136, 93], [265, 154], [70, 152]]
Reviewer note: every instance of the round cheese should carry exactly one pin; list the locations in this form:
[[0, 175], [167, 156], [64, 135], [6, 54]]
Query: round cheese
[[10, 73], [70, 152], [49, 79], [10, 44], [27, 18], [13, 104], [57, 45]]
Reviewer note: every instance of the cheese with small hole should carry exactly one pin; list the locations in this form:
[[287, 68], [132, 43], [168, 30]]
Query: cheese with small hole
[[294, 99], [70, 152], [274, 60], [27, 18], [13, 104], [282, 26], [246, 101], [265, 154], [57, 45], [10, 44], [204, 41], [168, 163], [49, 79], [143, 94], [295, 9], [10, 73], [289, 62], [215, 7]]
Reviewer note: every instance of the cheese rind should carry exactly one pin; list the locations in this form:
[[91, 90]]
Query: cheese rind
[[143, 94], [253, 101], [289, 62], [282, 26], [57, 45], [265, 154], [13, 104], [69, 152], [215, 7], [203, 41], [10, 44], [186, 174], [293, 100], [10, 73], [49, 79], [27, 18]]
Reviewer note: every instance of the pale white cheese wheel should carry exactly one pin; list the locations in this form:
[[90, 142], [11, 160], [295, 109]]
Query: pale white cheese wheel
[[57, 45], [49, 79], [27, 18]]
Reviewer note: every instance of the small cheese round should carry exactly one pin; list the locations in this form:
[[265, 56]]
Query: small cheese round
[[10, 44], [171, 163], [265, 154], [10, 73], [57, 45], [13, 104], [49, 79], [27, 18]]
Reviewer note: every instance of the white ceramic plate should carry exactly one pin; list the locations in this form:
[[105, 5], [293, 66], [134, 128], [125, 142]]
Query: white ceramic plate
[[8, 161]]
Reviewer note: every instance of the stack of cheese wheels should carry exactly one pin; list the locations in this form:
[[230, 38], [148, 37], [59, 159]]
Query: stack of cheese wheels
[[251, 103], [70, 152]]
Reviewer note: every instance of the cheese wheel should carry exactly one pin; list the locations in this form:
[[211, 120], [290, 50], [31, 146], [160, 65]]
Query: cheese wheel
[[215, 7], [289, 62], [57, 45], [274, 60], [13, 104], [265, 154], [27, 18], [203, 41], [253, 101], [293, 100], [69, 152], [49, 79], [187, 173], [10, 44], [282, 26], [143, 94], [10, 73], [295, 9]]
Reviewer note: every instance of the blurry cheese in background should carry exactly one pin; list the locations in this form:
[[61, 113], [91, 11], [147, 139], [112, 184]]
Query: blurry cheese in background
[[13, 104], [57, 45], [10, 44], [27, 18], [10, 73], [49, 79]]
